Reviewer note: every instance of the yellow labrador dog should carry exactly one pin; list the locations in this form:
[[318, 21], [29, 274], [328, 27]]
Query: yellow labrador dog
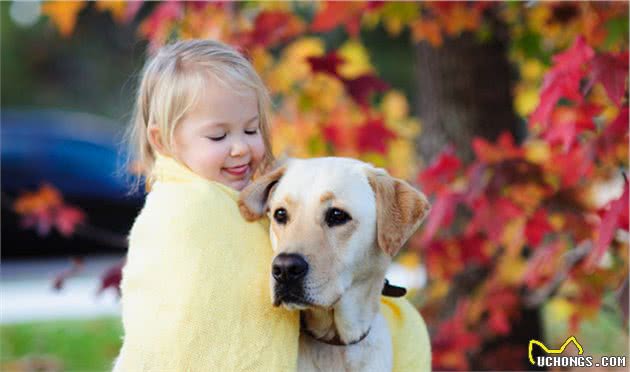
[[335, 225]]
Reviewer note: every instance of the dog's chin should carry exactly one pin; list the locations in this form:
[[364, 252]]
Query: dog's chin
[[290, 302], [292, 306]]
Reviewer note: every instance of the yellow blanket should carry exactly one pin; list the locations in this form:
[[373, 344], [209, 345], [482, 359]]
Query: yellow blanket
[[195, 289]]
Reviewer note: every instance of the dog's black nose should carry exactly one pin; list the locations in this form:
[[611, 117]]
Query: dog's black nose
[[289, 267]]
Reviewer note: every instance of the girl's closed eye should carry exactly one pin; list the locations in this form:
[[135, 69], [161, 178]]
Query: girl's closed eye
[[251, 131], [217, 138]]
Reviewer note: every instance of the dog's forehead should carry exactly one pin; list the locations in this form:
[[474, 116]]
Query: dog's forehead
[[310, 179]]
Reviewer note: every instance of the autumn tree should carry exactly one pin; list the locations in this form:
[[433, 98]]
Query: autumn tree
[[522, 112]]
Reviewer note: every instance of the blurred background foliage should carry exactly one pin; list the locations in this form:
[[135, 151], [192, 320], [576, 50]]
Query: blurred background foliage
[[512, 117]]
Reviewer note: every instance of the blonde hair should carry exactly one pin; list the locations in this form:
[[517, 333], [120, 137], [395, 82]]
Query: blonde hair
[[170, 83]]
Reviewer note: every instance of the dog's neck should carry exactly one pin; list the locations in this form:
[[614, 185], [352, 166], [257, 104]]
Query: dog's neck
[[350, 318]]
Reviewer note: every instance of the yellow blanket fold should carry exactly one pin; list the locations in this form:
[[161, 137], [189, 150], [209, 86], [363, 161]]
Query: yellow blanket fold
[[195, 288], [196, 284]]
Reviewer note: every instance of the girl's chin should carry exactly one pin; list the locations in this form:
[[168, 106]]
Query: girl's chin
[[237, 185]]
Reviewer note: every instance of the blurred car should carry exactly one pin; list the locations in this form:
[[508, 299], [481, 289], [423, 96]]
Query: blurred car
[[80, 155]]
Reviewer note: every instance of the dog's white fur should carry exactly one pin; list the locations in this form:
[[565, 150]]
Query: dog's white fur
[[347, 263]]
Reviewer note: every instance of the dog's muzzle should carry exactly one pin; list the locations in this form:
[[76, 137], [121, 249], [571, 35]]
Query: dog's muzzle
[[289, 271]]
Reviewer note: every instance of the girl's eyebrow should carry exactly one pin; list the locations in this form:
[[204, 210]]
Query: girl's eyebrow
[[225, 124]]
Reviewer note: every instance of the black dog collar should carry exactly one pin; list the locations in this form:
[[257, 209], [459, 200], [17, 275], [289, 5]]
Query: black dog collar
[[392, 290]]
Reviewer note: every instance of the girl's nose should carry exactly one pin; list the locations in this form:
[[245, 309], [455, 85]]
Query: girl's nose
[[239, 148]]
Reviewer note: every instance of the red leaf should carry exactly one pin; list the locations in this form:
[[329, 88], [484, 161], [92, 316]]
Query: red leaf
[[75, 269], [491, 216], [562, 80], [569, 122], [453, 341], [612, 71], [441, 172], [442, 214], [45, 208], [614, 133], [273, 27], [573, 166], [537, 227], [615, 216], [67, 218], [501, 303], [543, 264], [340, 136], [131, 10], [504, 149], [339, 13], [373, 136], [327, 64], [112, 277], [362, 87], [41, 220], [472, 249], [499, 323], [162, 14]]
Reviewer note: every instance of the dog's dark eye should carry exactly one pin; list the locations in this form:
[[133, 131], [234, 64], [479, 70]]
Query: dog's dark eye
[[335, 217], [281, 216]]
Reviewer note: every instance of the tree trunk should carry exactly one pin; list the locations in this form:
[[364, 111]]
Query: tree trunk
[[464, 91]]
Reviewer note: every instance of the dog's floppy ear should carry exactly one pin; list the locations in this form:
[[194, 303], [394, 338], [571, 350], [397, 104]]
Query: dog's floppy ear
[[400, 209], [253, 199]]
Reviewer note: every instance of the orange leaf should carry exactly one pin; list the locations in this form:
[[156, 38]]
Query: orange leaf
[[63, 14], [427, 29], [33, 202]]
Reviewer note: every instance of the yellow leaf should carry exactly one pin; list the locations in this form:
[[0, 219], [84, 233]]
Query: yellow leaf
[[532, 69], [437, 290], [559, 309], [537, 151], [538, 17], [324, 92], [394, 105], [556, 220], [528, 196], [293, 65], [116, 8], [511, 270], [397, 14], [375, 159], [262, 60], [393, 25], [401, 158], [370, 20], [513, 237], [63, 14], [409, 260], [356, 60], [273, 5], [526, 99]]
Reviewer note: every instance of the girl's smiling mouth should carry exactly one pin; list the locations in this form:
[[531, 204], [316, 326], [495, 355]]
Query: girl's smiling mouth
[[237, 171]]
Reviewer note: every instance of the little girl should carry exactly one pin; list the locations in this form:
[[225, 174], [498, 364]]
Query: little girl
[[195, 288]]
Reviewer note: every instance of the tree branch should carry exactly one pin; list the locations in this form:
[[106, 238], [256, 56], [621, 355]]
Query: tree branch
[[571, 258]]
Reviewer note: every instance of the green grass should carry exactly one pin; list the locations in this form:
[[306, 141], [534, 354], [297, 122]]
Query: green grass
[[602, 335], [92, 345], [77, 345]]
